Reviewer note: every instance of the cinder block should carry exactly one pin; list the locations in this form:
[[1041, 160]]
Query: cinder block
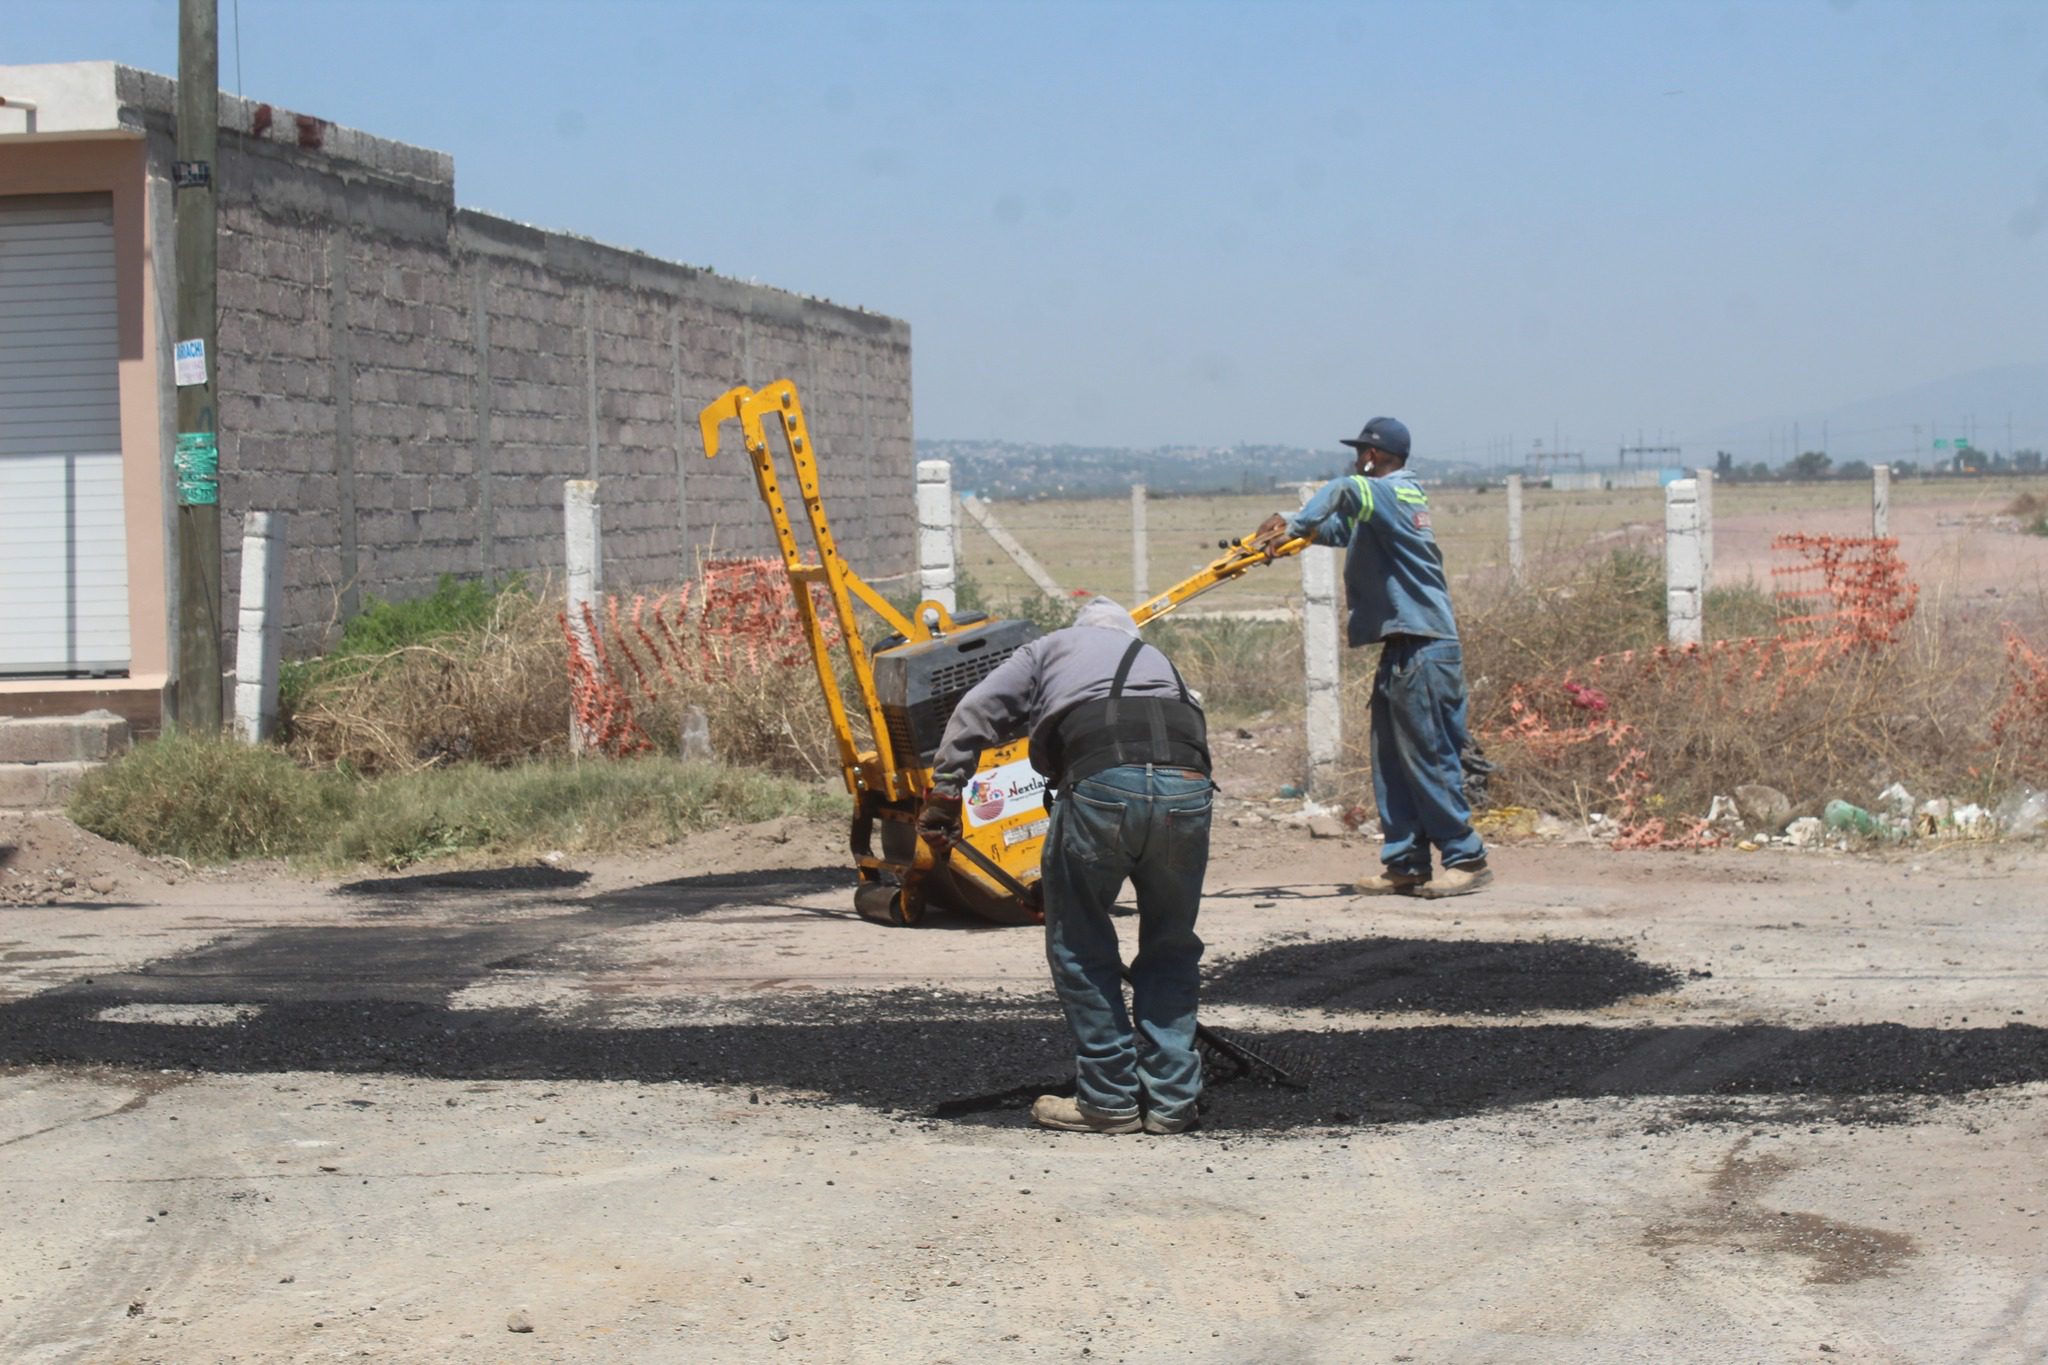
[[91, 737], [39, 786]]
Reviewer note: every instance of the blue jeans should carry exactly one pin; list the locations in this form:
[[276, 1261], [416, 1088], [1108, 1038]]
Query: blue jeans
[[1150, 826], [1418, 732]]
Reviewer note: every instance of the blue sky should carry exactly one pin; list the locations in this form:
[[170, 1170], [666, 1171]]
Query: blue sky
[[1143, 223]]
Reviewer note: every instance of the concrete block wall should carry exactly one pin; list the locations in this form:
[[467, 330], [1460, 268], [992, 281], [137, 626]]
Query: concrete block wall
[[276, 386], [413, 383], [410, 371]]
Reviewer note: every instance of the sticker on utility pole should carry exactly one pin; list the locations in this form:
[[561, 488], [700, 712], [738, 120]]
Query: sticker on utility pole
[[190, 365], [197, 462]]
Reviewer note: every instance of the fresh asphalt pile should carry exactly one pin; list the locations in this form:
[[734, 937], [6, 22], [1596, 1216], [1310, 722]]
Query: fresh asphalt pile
[[1438, 976], [372, 998]]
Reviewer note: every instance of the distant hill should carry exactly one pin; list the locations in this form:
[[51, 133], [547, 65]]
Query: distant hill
[[1014, 469], [1898, 427], [1901, 426]]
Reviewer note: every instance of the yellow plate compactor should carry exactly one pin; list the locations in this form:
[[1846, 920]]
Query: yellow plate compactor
[[907, 685]]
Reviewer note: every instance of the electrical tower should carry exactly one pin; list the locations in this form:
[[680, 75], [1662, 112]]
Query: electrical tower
[[1538, 457], [1639, 451]]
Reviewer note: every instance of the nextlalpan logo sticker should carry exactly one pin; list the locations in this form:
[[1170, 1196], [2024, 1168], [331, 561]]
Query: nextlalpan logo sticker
[[1011, 789]]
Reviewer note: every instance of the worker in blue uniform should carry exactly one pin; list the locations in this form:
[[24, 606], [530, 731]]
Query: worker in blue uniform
[[1399, 599]]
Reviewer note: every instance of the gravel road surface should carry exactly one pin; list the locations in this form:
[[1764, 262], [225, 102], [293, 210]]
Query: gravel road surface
[[1618, 1107]]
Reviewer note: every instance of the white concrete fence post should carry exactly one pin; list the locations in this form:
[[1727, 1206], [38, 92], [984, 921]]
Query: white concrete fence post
[[1880, 501], [1515, 568], [1706, 500], [581, 523], [1320, 648], [1140, 569], [1684, 587], [259, 635], [935, 575]]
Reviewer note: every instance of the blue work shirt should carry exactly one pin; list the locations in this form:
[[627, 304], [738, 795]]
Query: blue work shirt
[[1393, 573]]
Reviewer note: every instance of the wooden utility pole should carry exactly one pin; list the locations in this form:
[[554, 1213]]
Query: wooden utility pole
[[198, 457]]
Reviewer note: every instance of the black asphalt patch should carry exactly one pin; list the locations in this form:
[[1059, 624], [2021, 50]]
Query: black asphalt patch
[[1436, 976], [427, 962], [372, 998], [529, 877], [958, 1065]]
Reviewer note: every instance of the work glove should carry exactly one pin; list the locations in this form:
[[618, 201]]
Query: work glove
[[1272, 533], [938, 822]]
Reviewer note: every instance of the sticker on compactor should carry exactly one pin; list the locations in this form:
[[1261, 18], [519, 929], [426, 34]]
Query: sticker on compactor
[[1004, 792], [1035, 830]]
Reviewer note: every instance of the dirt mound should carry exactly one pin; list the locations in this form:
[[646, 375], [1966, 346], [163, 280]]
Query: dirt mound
[[46, 860]]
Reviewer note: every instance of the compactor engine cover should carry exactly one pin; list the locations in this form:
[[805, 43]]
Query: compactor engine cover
[[1003, 815], [919, 683]]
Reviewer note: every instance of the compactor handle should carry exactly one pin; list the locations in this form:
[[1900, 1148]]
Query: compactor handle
[[1239, 557], [727, 407]]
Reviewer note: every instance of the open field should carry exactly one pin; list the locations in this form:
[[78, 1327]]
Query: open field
[[1944, 528], [687, 1107]]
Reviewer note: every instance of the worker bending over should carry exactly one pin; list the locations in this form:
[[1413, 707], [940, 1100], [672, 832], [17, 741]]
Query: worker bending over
[[1125, 748], [1399, 598]]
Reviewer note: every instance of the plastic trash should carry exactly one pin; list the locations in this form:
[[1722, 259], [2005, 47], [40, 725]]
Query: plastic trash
[[2023, 812], [1971, 820], [1895, 800], [1933, 815], [1804, 832], [1840, 815], [696, 737]]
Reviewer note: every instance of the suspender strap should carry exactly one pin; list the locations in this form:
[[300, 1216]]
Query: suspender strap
[[1123, 669], [1116, 692], [1103, 733], [1123, 674]]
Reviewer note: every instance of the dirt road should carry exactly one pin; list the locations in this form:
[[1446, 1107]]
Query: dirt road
[[1716, 1107]]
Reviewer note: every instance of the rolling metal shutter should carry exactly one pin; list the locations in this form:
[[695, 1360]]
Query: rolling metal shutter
[[63, 538]]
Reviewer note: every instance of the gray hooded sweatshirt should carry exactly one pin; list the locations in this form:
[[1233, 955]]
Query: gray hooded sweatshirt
[[1030, 691]]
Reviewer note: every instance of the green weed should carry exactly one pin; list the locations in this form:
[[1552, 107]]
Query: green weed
[[216, 801], [455, 607], [210, 800]]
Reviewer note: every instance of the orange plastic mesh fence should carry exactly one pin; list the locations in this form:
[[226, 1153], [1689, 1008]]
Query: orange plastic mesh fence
[[738, 618], [1861, 596], [1856, 595]]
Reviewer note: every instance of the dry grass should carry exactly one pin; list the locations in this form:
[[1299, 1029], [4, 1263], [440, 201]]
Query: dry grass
[[1086, 543], [1583, 710], [772, 718], [497, 690], [1239, 667], [210, 801], [1666, 735], [495, 693], [216, 801]]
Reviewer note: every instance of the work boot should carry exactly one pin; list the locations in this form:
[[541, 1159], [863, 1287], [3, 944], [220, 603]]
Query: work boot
[[1057, 1111], [1461, 880], [1161, 1126], [1392, 881]]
